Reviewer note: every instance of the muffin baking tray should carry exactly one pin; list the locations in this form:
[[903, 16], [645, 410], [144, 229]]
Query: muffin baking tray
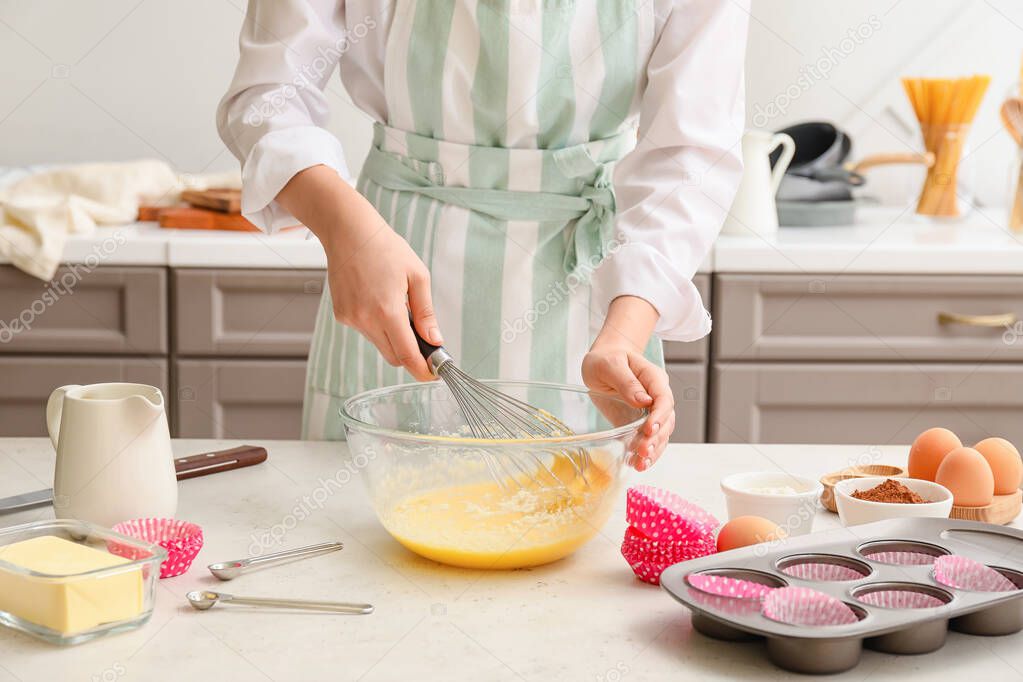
[[855, 565]]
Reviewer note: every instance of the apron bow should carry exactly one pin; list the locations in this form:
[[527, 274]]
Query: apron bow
[[592, 208]]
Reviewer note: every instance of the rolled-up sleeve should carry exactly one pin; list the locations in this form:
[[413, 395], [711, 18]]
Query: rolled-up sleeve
[[273, 114], [675, 188]]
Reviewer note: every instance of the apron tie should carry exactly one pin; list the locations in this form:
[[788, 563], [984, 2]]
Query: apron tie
[[592, 209]]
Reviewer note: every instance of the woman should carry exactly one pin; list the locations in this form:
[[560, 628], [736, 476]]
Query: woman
[[505, 201]]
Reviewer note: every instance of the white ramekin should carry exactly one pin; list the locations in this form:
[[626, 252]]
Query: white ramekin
[[794, 513], [853, 511]]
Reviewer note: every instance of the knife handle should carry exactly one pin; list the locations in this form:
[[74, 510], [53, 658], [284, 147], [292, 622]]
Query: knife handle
[[220, 460]]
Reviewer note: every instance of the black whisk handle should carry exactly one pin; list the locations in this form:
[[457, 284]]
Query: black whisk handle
[[425, 347]]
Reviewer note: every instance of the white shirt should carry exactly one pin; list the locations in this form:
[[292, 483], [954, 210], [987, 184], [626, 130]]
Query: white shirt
[[673, 190]]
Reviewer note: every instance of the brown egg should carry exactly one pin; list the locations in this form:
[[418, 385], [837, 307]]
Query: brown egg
[[1005, 463], [929, 448], [747, 530], [967, 474]]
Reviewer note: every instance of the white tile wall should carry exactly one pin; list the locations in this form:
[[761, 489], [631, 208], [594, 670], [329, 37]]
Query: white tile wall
[[121, 79]]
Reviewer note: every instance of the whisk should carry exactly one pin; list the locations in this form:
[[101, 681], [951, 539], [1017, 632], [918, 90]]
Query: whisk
[[492, 414]]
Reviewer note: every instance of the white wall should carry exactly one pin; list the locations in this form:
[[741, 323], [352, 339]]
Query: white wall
[[118, 79]]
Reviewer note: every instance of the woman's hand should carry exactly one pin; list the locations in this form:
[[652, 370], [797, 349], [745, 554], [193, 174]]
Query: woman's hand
[[616, 365], [375, 277]]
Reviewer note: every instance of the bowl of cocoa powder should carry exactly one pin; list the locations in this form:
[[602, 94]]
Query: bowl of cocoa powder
[[875, 498]]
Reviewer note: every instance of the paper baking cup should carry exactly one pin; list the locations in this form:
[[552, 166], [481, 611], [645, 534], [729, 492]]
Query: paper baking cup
[[964, 573], [181, 539], [900, 599], [901, 558], [733, 588], [806, 607], [663, 515], [822, 572], [648, 558], [728, 605]]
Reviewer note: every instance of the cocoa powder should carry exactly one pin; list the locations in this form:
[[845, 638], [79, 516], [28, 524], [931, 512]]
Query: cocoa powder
[[889, 491]]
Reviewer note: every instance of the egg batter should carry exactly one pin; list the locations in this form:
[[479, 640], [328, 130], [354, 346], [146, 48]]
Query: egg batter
[[485, 526]]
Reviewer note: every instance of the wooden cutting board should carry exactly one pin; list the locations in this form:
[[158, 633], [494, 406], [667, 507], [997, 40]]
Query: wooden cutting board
[[190, 218], [223, 200]]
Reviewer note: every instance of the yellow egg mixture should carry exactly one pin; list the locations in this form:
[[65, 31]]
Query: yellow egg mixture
[[485, 526]]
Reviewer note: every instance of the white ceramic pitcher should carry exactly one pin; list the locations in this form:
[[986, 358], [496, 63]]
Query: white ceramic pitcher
[[114, 459], [753, 209]]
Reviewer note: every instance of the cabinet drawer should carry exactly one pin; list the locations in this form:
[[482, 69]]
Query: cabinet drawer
[[27, 381], [239, 398], [245, 312], [865, 317], [106, 310], [863, 403], [688, 384], [694, 350]]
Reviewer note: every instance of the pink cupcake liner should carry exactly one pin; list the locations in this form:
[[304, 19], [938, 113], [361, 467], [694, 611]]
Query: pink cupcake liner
[[733, 588], [181, 539], [902, 558], [661, 515], [728, 605], [900, 599], [649, 572], [648, 558], [822, 572], [966, 574], [806, 607]]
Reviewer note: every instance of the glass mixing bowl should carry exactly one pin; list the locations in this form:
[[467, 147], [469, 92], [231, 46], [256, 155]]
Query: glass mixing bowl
[[489, 504]]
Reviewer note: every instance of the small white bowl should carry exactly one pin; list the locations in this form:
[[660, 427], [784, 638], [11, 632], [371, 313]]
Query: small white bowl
[[793, 512], [853, 511]]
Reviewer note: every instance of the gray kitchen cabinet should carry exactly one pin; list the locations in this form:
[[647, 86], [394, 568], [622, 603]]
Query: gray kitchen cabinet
[[245, 312], [26, 383], [693, 350], [239, 398], [868, 317], [689, 386], [863, 403], [106, 310]]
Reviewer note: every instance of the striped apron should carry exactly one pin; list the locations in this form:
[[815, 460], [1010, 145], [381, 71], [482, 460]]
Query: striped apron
[[505, 118]]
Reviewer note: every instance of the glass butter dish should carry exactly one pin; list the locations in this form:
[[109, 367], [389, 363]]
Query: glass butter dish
[[67, 581]]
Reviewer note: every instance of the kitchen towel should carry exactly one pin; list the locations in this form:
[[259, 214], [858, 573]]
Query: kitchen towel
[[38, 212]]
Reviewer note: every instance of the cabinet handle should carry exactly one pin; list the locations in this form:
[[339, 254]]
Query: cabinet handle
[[1000, 320]]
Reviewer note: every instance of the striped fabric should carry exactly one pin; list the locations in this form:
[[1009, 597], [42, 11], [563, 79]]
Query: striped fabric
[[501, 97]]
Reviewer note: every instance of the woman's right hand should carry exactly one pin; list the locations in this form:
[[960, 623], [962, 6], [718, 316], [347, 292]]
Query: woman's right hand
[[375, 277]]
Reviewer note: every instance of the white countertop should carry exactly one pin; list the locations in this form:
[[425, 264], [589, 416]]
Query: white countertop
[[583, 618], [885, 240]]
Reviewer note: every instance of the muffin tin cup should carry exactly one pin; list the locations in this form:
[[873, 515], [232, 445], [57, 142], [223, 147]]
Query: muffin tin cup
[[996, 621], [898, 555]]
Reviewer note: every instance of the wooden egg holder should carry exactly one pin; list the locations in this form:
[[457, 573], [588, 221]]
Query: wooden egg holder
[[1004, 509]]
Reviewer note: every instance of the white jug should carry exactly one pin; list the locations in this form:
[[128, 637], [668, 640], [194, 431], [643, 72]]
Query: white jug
[[114, 459], [753, 209]]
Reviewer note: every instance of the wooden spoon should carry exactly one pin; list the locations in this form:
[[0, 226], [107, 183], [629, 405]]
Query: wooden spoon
[[1012, 118]]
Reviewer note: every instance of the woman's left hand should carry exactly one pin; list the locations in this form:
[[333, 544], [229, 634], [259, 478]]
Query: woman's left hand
[[620, 370]]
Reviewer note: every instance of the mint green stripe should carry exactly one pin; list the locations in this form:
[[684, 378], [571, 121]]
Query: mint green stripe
[[428, 47], [555, 98], [486, 236], [619, 34], [555, 101]]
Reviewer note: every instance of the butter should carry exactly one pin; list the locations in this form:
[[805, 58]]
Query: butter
[[67, 605]]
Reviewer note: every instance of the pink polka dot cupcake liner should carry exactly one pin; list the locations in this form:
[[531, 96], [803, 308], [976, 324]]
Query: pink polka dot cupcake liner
[[966, 574], [181, 539], [822, 572], [733, 588], [664, 530], [661, 514], [900, 599], [901, 558], [806, 607]]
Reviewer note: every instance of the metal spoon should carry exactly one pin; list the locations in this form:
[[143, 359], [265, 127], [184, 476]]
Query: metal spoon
[[203, 600], [226, 570]]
